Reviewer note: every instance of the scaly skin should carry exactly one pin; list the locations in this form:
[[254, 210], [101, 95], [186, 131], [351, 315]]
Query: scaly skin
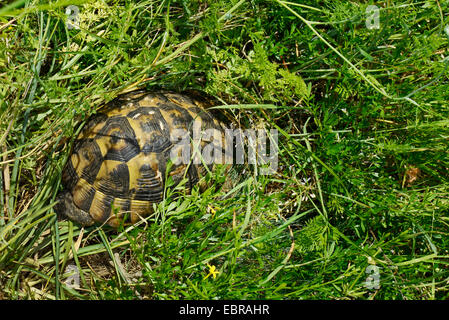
[[66, 207]]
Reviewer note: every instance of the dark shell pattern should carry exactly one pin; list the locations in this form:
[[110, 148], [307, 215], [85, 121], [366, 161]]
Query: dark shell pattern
[[118, 163]]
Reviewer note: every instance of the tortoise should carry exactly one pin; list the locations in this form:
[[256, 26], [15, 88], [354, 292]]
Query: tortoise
[[118, 165]]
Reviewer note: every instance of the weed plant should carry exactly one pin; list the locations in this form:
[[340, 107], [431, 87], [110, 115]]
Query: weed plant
[[358, 208]]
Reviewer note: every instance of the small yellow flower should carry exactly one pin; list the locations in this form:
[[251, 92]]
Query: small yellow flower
[[212, 210], [212, 272]]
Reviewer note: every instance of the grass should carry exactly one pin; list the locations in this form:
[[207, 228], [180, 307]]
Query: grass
[[362, 116]]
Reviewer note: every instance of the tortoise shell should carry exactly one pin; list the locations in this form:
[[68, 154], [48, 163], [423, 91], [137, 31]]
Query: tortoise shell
[[118, 165]]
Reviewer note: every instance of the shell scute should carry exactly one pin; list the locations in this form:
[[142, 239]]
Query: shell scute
[[118, 163]]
